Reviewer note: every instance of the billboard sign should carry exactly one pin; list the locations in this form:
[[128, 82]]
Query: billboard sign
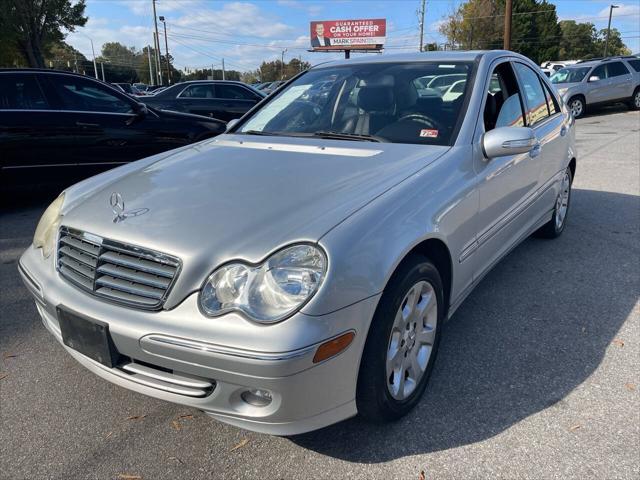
[[348, 34]]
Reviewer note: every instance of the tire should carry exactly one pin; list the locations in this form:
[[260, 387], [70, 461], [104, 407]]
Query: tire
[[634, 102], [379, 397], [554, 227], [577, 106]]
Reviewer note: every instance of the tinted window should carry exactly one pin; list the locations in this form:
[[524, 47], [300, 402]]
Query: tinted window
[[21, 92], [375, 99], [635, 64], [534, 95], [198, 91], [600, 72], [616, 69], [234, 92], [87, 96]]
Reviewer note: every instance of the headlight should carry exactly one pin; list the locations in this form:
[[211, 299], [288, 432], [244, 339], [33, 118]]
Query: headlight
[[269, 292], [45, 235]]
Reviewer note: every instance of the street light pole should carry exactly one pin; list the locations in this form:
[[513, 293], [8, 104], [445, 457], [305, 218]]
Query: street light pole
[[95, 67], [166, 49], [507, 25], [150, 69], [606, 44], [422, 25]]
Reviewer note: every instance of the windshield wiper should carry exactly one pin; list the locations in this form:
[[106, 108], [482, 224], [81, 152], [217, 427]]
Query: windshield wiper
[[348, 136], [259, 132]]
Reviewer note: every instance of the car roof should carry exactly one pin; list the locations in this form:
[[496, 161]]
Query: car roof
[[439, 56]]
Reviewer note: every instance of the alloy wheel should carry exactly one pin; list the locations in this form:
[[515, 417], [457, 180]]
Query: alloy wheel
[[562, 202], [576, 107], [411, 340]]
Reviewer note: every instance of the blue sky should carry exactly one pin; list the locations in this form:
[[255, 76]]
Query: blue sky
[[202, 32]]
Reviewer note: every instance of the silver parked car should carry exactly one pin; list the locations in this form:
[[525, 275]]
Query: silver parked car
[[297, 270], [599, 82]]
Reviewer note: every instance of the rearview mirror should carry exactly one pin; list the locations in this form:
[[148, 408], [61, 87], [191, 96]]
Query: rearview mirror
[[504, 141], [594, 78]]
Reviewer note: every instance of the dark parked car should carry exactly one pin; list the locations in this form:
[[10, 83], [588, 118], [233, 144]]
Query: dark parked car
[[221, 99], [60, 125], [128, 88]]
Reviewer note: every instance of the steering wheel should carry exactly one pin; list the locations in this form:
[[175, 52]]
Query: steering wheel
[[418, 117]]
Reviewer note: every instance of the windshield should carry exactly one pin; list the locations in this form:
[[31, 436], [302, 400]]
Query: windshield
[[569, 75], [387, 102]]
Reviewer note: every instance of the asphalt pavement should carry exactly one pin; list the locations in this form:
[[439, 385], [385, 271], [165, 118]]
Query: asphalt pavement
[[538, 373]]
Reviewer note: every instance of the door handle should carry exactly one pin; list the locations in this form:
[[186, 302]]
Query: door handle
[[563, 130], [83, 124], [536, 150]]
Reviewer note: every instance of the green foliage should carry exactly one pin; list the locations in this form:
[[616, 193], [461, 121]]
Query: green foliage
[[272, 71], [479, 24], [205, 74], [29, 28]]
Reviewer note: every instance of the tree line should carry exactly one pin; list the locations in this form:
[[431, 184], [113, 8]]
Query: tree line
[[535, 31]]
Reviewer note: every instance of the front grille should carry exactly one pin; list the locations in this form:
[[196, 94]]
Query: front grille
[[115, 271]]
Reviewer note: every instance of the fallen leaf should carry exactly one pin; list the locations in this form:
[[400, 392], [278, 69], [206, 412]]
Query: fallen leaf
[[630, 386], [242, 443], [575, 427], [10, 355], [421, 477], [109, 434], [618, 342], [176, 459], [3, 375], [187, 416], [126, 476], [136, 417], [176, 425]]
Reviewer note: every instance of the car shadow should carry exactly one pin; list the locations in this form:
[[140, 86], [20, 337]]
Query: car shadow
[[534, 329], [600, 111]]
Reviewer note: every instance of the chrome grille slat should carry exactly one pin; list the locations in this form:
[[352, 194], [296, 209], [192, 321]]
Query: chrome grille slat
[[133, 275], [118, 272]]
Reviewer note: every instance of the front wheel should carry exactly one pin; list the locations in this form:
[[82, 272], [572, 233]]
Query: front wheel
[[577, 107], [402, 343], [554, 227]]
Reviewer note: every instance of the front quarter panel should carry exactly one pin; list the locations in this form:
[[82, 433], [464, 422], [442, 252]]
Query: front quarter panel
[[440, 201]]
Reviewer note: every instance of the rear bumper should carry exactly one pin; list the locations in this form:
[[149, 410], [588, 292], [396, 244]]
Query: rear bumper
[[178, 356]]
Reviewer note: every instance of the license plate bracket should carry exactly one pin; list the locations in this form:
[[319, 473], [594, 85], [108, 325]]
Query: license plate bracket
[[88, 337]]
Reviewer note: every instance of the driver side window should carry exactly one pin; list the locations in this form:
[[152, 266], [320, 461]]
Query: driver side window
[[503, 107]]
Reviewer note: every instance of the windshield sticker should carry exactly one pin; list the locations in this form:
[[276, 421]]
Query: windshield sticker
[[429, 133]]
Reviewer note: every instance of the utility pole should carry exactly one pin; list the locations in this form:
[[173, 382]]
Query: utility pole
[[212, 77], [166, 50], [606, 44], [95, 68], [157, 43], [507, 25], [150, 69], [282, 64], [102, 68], [422, 25], [223, 76]]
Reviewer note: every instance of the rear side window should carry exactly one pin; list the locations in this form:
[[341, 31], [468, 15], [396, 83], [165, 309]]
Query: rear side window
[[233, 92], [198, 91], [21, 92], [87, 96], [616, 69], [635, 64], [534, 95]]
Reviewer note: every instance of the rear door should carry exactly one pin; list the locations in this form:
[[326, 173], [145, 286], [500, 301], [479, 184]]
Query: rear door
[[200, 99], [236, 100], [620, 80]]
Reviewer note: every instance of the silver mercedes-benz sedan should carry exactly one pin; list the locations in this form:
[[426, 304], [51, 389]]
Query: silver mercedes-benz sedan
[[297, 270]]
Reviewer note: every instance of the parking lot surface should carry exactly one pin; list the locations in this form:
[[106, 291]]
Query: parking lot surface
[[537, 377]]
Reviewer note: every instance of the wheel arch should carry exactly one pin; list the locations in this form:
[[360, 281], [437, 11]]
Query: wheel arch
[[572, 167]]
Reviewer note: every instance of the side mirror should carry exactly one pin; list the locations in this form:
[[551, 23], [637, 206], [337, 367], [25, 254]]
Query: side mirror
[[231, 123], [140, 109], [504, 141], [594, 78]]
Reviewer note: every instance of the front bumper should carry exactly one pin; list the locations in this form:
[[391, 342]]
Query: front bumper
[[183, 357]]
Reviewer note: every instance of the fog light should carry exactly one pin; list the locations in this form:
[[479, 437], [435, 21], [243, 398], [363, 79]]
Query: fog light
[[256, 397]]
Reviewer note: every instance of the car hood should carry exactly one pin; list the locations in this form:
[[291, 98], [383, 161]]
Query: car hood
[[242, 197], [566, 85]]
